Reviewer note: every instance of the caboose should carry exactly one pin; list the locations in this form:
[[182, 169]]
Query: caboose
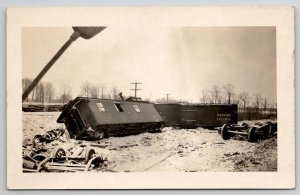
[[197, 115], [96, 118]]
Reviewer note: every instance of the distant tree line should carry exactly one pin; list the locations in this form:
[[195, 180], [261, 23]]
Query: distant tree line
[[46, 92], [91, 90], [250, 106], [228, 94], [43, 92]]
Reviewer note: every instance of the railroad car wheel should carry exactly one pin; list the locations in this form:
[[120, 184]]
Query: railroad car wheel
[[43, 170], [263, 131], [58, 154], [154, 130], [89, 154], [244, 124], [49, 136], [101, 135], [266, 132], [273, 129], [270, 131], [252, 135], [39, 157], [52, 134], [269, 123], [224, 132], [36, 140]]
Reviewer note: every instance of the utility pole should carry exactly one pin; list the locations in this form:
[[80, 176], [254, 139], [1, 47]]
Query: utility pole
[[167, 94], [135, 88]]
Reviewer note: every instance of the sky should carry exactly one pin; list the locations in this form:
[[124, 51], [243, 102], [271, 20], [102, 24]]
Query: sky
[[181, 61]]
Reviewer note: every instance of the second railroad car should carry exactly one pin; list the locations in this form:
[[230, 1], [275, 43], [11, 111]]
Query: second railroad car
[[197, 115]]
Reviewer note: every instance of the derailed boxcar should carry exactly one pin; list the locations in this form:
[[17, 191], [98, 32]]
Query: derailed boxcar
[[197, 115], [94, 118]]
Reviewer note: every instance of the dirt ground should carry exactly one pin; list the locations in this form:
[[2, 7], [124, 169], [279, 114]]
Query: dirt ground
[[188, 150]]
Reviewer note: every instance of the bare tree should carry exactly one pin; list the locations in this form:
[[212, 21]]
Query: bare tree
[[257, 100], [42, 92], [244, 97], [49, 91], [205, 96], [65, 94], [265, 104], [216, 94], [210, 98], [39, 93], [114, 93], [86, 89], [235, 99], [25, 83], [94, 91], [33, 95], [229, 91]]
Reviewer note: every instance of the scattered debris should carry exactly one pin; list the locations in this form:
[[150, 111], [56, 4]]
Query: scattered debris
[[127, 146], [219, 143], [49, 136], [254, 162], [259, 158], [48, 153], [60, 161], [239, 162], [231, 154]]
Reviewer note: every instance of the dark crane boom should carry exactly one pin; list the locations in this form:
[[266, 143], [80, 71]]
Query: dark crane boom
[[84, 32]]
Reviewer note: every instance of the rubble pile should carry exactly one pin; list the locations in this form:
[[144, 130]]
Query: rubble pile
[[257, 159], [54, 151]]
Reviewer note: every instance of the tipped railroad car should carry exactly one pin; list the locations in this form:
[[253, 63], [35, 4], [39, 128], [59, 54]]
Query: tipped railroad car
[[94, 118], [197, 115]]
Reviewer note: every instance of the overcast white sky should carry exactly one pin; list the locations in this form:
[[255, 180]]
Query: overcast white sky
[[181, 61]]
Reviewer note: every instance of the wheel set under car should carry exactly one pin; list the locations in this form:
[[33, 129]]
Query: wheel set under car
[[48, 137], [252, 133]]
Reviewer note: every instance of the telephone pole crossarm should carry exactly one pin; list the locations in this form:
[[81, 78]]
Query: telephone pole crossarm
[[167, 94], [135, 87]]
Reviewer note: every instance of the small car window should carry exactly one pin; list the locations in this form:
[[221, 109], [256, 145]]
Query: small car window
[[101, 107], [136, 108], [119, 107]]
